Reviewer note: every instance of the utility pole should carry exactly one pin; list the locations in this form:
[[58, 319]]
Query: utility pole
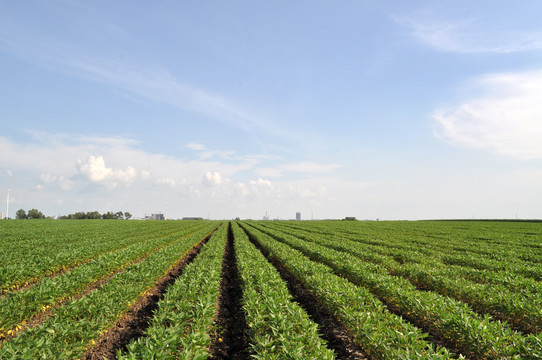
[[7, 206]]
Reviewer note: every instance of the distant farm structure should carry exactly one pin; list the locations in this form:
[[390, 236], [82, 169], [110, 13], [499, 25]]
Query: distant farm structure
[[155, 217]]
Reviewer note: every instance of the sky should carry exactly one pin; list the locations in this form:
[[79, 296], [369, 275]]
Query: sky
[[221, 109]]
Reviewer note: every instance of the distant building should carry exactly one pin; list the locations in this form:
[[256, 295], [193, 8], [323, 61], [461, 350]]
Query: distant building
[[298, 216], [155, 217]]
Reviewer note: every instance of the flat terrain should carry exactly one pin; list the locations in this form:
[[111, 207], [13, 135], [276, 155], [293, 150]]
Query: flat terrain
[[74, 289]]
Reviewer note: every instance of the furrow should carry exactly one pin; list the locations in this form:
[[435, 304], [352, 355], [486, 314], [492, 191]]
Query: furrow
[[230, 342], [332, 331], [136, 320]]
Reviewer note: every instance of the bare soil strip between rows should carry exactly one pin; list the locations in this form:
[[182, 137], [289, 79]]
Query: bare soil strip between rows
[[479, 309], [433, 336], [230, 340], [133, 324], [332, 331]]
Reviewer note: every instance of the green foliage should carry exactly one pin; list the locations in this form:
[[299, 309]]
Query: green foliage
[[80, 321], [278, 327], [32, 214], [439, 311], [381, 334], [389, 283], [21, 214], [184, 320]]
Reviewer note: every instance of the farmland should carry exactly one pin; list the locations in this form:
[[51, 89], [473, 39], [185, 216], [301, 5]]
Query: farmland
[[270, 289]]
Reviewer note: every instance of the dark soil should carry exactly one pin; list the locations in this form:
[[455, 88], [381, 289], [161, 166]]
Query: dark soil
[[332, 331], [134, 323], [432, 335], [230, 340]]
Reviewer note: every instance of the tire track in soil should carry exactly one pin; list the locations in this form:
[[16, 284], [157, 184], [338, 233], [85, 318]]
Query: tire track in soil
[[230, 340], [332, 331], [134, 323]]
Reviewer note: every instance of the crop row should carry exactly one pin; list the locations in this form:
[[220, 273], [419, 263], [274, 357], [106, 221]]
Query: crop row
[[474, 336], [521, 308], [380, 333], [18, 307], [184, 320], [30, 251], [518, 277], [278, 327], [510, 242], [388, 284], [76, 325]]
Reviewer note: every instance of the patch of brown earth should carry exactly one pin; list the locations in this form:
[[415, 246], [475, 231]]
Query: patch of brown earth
[[230, 340], [332, 331], [134, 323]]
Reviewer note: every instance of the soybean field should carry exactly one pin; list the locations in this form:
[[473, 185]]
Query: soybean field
[[95, 289]]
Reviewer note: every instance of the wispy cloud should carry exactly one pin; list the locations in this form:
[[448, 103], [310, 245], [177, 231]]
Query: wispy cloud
[[196, 146], [148, 80], [468, 35], [307, 168], [205, 153], [159, 85], [505, 117]]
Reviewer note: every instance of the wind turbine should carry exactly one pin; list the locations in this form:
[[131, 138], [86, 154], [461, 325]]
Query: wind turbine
[[7, 206]]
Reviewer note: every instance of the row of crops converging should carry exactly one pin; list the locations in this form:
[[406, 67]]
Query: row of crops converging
[[270, 290]]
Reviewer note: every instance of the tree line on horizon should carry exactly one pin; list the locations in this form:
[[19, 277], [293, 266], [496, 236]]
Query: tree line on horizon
[[36, 214]]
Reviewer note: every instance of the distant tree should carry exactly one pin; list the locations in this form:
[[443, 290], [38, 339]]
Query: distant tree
[[80, 215], [108, 215], [96, 215], [35, 214], [21, 214], [93, 215]]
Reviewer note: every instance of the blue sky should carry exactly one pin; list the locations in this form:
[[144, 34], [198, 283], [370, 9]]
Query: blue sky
[[373, 109]]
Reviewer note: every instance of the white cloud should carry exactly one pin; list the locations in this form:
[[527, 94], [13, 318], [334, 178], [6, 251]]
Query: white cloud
[[94, 168], [261, 182], [256, 188], [506, 116], [63, 182], [213, 178], [145, 174], [471, 35], [168, 182], [68, 168]]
